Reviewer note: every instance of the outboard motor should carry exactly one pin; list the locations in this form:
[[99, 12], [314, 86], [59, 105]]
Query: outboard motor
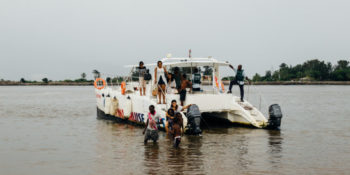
[[194, 120], [275, 117]]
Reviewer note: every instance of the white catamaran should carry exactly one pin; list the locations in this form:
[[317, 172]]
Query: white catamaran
[[123, 102]]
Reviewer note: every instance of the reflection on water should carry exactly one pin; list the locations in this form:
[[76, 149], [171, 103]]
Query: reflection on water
[[275, 148], [54, 130], [151, 158]]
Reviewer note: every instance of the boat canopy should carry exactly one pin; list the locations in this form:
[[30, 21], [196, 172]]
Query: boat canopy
[[189, 62]]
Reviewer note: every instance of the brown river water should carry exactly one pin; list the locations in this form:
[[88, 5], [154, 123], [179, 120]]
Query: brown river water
[[54, 130]]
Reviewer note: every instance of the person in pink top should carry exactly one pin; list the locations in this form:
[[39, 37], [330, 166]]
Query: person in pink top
[[151, 129]]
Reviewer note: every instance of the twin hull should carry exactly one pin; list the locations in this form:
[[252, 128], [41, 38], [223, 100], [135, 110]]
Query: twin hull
[[134, 108]]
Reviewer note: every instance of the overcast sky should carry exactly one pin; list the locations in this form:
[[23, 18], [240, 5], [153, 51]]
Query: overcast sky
[[60, 39]]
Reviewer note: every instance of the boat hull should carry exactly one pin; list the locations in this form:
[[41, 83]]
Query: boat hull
[[103, 116]]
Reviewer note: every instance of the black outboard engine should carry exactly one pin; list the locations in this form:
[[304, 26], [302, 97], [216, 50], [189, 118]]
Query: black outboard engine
[[194, 120], [275, 117]]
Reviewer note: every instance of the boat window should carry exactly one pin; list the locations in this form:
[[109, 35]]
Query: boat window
[[205, 71], [135, 75]]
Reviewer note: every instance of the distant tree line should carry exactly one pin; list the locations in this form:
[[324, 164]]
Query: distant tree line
[[310, 70], [82, 79], [46, 80]]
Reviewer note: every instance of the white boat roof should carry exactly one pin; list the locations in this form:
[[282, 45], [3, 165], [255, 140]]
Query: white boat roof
[[188, 62]]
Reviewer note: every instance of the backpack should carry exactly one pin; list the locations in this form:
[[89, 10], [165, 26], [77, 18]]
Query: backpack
[[147, 76]]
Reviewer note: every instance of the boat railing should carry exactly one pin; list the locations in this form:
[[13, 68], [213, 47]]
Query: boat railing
[[207, 86]]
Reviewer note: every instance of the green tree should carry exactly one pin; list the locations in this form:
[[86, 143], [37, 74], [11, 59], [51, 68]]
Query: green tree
[[268, 76], [22, 80], [45, 80], [284, 72], [276, 76], [208, 71], [117, 80], [230, 78], [83, 76], [257, 77], [317, 69], [342, 65], [108, 79], [96, 73]]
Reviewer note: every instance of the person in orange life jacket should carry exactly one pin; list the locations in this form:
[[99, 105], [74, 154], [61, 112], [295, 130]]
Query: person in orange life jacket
[[239, 80], [151, 129]]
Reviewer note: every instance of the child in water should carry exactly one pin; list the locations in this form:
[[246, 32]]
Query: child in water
[[170, 115], [176, 131]]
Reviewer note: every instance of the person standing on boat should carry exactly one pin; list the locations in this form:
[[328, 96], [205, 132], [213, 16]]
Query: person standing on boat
[[184, 84], [239, 80], [142, 82], [196, 80], [151, 129], [178, 78], [171, 84], [160, 74]]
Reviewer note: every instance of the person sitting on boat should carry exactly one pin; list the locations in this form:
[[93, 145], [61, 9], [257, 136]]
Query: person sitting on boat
[[196, 81], [171, 88], [239, 80], [151, 129], [142, 82], [160, 80], [178, 108], [170, 115], [176, 132], [185, 84]]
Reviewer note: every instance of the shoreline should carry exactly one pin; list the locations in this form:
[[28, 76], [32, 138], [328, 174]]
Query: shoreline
[[47, 84], [303, 83], [225, 83], [296, 83]]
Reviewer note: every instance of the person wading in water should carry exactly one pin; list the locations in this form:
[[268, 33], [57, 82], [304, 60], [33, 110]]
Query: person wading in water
[[239, 80], [151, 129], [176, 132]]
